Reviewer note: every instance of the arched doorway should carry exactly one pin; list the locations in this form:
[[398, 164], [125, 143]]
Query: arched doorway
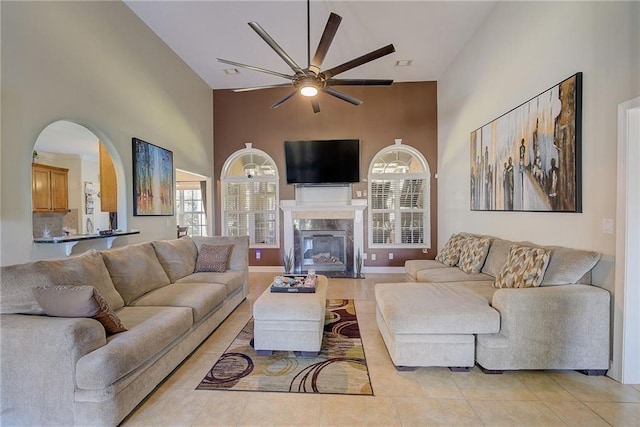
[[94, 182]]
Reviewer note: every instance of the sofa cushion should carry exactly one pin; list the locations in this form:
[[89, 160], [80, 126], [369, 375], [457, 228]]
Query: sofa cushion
[[135, 270], [449, 274], [177, 257], [213, 258], [497, 256], [420, 308], [412, 266], [232, 280], [151, 332], [474, 252], [524, 268], [78, 301], [202, 298], [239, 258], [449, 255], [568, 266], [17, 281], [483, 288]]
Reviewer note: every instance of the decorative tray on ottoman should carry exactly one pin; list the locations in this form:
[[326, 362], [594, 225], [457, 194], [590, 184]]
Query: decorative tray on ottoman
[[294, 284]]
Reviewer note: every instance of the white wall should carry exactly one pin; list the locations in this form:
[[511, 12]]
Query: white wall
[[522, 49], [97, 64]]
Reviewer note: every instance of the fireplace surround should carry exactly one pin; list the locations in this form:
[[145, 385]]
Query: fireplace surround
[[323, 232]]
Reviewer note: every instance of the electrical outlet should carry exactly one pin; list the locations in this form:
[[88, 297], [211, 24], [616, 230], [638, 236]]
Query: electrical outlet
[[365, 255], [258, 255], [358, 193], [373, 257], [390, 255]]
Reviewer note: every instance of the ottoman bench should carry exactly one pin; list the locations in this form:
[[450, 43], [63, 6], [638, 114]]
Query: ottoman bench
[[432, 324], [290, 321]]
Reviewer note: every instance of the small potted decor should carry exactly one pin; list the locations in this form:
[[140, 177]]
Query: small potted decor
[[359, 265], [288, 262]]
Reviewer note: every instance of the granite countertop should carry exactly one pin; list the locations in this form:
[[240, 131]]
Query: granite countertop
[[80, 237]]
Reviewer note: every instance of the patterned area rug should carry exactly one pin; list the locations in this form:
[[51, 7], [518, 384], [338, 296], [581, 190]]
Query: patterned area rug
[[339, 368]]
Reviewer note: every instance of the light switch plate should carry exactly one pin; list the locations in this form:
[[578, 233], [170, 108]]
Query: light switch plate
[[607, 226]]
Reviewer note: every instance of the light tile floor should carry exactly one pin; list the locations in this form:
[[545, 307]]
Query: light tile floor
[[424, 397]]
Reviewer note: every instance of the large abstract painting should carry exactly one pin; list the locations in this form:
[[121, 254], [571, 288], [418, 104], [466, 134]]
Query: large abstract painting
[[529, 158], [152, 179]]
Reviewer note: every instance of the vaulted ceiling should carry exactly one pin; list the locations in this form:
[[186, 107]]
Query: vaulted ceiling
[[428, 33]]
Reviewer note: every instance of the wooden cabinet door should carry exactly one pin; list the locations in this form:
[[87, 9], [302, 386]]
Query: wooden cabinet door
[[49, 188], [108, 185], [41, 189], [59, 191]]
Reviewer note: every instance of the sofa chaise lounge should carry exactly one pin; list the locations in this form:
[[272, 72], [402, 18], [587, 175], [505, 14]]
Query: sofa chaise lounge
[[490, 305], [71, 370]]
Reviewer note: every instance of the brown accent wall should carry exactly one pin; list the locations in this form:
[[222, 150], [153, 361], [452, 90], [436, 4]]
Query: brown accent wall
[[404, 110]]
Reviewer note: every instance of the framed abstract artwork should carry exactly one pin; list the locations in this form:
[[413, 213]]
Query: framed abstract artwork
[[152, 180], [529, 158]]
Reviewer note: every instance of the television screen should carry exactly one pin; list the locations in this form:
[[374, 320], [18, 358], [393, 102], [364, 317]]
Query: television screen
[[322, 162]]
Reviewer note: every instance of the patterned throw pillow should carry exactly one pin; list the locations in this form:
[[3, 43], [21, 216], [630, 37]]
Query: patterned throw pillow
[[524, 268], [450, 252], [213, 258], [474, 252], [78, 301]]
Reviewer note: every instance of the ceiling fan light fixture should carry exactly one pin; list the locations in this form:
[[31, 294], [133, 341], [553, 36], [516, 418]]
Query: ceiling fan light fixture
[[308, 90]]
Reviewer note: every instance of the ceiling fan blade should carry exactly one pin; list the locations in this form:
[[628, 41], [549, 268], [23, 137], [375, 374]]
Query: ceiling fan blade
[[283, 100], [251, 67], [249, 89], [275, 46], [342, 95], [316, 105], [371, 56], [359, 82], [325, 42]]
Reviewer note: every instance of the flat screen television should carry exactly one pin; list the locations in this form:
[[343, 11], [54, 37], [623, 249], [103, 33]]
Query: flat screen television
[[335, 161]]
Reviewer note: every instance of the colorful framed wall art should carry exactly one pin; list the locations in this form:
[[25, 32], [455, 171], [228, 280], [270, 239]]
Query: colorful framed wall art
[[153, 188]]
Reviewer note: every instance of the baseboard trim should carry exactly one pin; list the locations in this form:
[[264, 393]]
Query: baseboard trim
[[280, 269]]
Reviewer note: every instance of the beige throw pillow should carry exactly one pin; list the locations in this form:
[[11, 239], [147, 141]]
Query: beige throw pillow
[[524, 268], [213, 258], [450, 252], [78, 301], [474, 252]]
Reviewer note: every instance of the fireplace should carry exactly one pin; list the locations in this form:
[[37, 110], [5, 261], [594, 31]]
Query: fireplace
[[324, 233], [323, 250]]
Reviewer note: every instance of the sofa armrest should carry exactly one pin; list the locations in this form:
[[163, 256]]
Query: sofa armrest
[[39, 356], [563, 327]]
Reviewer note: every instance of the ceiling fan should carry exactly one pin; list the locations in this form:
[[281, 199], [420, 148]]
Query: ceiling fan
[[311, 80]]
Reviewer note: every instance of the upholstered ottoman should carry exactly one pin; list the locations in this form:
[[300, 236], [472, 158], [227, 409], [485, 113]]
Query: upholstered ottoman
[[432, 324], [290, 321]]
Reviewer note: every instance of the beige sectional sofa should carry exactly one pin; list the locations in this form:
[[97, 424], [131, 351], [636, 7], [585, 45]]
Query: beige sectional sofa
[[448, 317], [70, 371]]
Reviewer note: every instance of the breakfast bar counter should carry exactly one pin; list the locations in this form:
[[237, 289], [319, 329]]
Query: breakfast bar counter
[[71, 240]]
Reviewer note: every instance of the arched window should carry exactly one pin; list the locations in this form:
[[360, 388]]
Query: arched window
[[250, 197], [399, 208]]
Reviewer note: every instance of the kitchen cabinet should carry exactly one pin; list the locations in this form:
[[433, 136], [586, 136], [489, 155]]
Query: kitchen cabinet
[[108, 185], [50, 188]]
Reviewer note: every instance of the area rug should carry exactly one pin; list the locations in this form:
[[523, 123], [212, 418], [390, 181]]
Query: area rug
[[339, 368]]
